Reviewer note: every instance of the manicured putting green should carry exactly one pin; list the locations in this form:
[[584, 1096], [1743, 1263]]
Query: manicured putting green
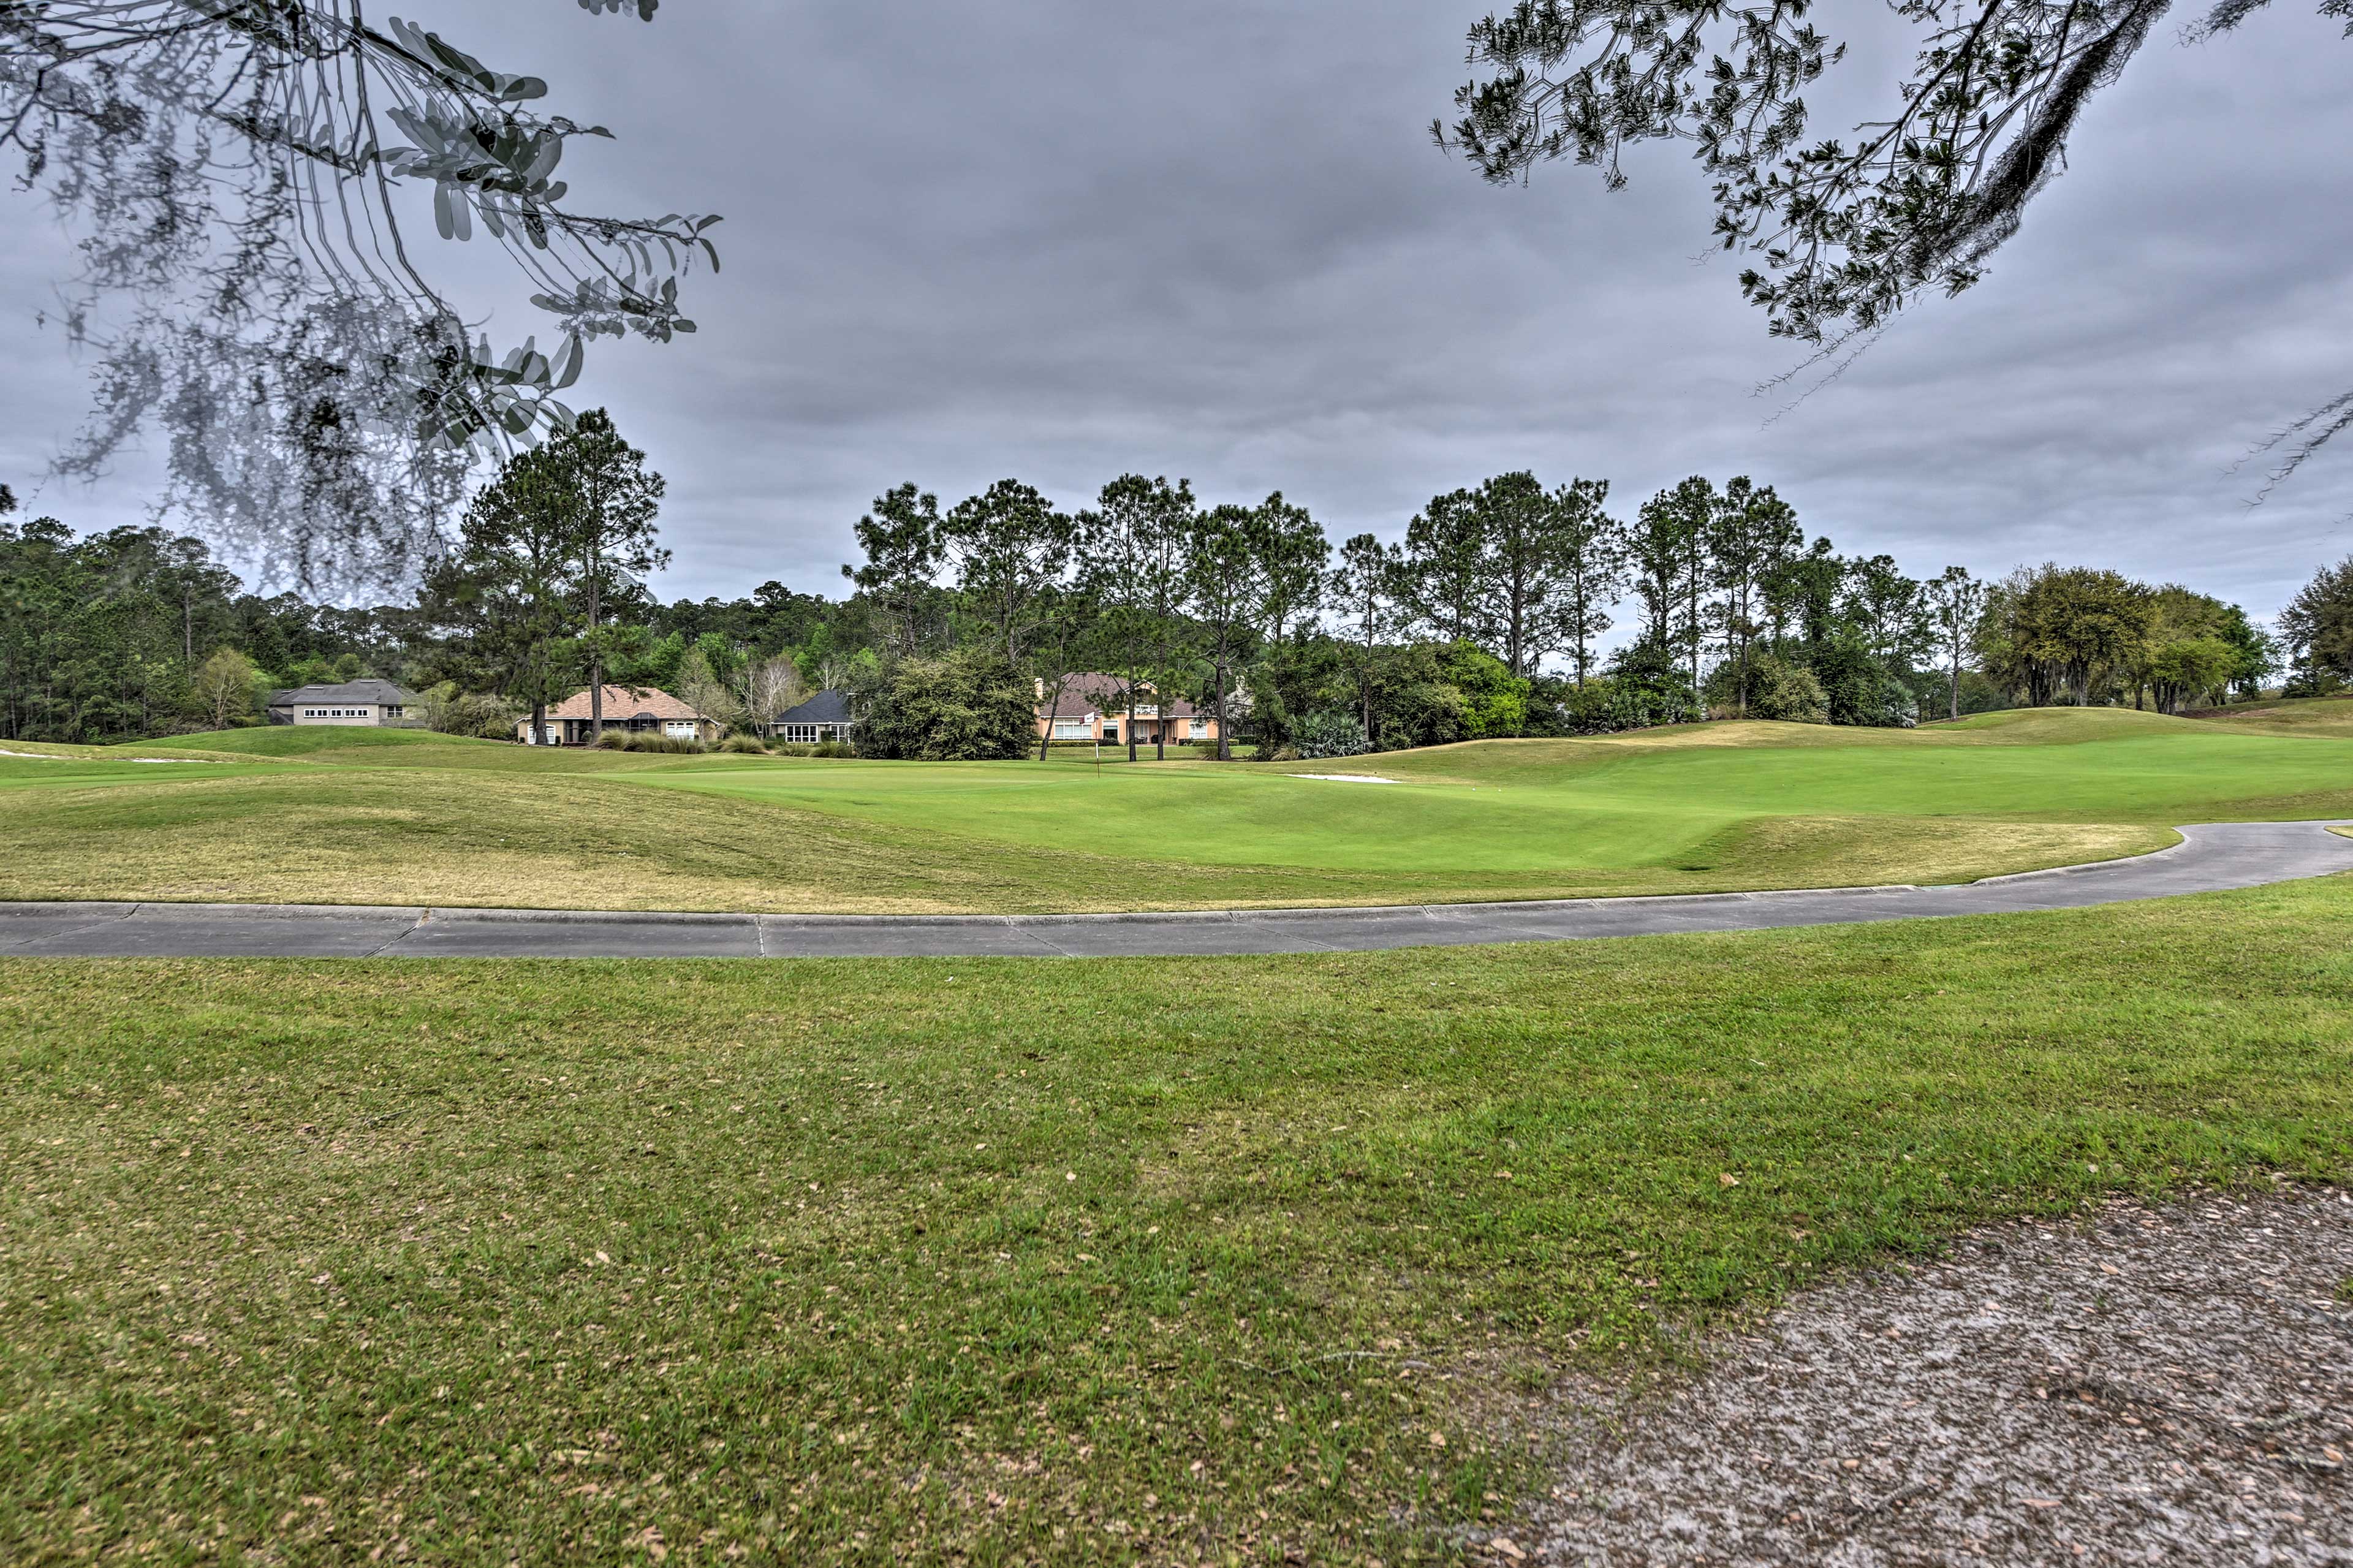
[[1652, 799]]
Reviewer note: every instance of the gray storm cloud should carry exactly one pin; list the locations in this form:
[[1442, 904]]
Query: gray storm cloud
[[1059, 241]]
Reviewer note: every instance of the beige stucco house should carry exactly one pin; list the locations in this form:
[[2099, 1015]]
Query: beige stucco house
[[630, 710], [1096, 706]]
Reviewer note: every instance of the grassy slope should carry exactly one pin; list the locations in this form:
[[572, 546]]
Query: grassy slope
[[2300, 716], [893, 1260], [361, 815], [507, 825]]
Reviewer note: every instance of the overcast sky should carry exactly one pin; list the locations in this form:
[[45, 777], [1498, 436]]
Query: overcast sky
[[1061, 239]]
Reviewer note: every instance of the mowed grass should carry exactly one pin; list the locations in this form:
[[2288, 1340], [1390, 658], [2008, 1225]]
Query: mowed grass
[[370, 815], [987, 1261], [1678, 799]]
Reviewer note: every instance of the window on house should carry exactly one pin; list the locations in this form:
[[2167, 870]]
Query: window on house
[[1072, 729], [1111, 734], [679, 729], [1198, 729]]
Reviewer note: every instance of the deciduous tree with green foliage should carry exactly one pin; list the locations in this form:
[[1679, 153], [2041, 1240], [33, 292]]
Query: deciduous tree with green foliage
[[703, 687], [2317, 626], [2050, 630], [224, 686], [1137, 571]]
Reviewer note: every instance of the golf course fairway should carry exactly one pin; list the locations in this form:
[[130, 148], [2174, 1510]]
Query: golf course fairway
[[382, 815]]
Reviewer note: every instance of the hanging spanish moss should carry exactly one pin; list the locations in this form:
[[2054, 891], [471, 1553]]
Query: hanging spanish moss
[[232, 170]]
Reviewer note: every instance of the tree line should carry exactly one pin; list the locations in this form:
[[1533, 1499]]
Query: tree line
[[1492, 615], [1487, 618]]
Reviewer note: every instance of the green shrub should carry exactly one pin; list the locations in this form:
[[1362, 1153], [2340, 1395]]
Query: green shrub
[[1591, 708], [1647, 686], [1779, 690], [1494, 701], [749, 745], [970, 706], [1432, 694], [1333, 733]]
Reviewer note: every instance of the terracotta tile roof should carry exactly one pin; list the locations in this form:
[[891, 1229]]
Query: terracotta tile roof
[[1092, 691], [626, 702]]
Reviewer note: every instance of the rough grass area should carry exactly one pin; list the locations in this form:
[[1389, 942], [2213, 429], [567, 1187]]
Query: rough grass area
[[2300, 716], [332, 815], [1045, 1259], [489, 838]]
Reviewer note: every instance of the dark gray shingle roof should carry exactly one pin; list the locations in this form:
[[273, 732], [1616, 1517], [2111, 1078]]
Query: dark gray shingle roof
[[825, 708], [367, 690]]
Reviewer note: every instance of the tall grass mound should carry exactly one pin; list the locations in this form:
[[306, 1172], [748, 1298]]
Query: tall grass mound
[[645, 740]]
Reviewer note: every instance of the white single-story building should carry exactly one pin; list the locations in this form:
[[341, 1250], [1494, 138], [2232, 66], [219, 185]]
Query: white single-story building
[[367, 702], [824, 717]]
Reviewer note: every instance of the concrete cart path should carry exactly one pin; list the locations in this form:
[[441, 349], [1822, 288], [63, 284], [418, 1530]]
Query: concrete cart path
[[2210, 858]]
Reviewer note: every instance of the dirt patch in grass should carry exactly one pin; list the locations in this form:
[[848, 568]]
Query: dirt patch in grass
[[2155, 1385]]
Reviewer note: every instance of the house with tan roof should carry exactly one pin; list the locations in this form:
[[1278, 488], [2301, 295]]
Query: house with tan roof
[[629, 710], [1096, 706]]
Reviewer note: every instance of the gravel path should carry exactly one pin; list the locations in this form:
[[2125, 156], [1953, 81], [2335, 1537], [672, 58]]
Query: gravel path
[[2168, 1385]]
